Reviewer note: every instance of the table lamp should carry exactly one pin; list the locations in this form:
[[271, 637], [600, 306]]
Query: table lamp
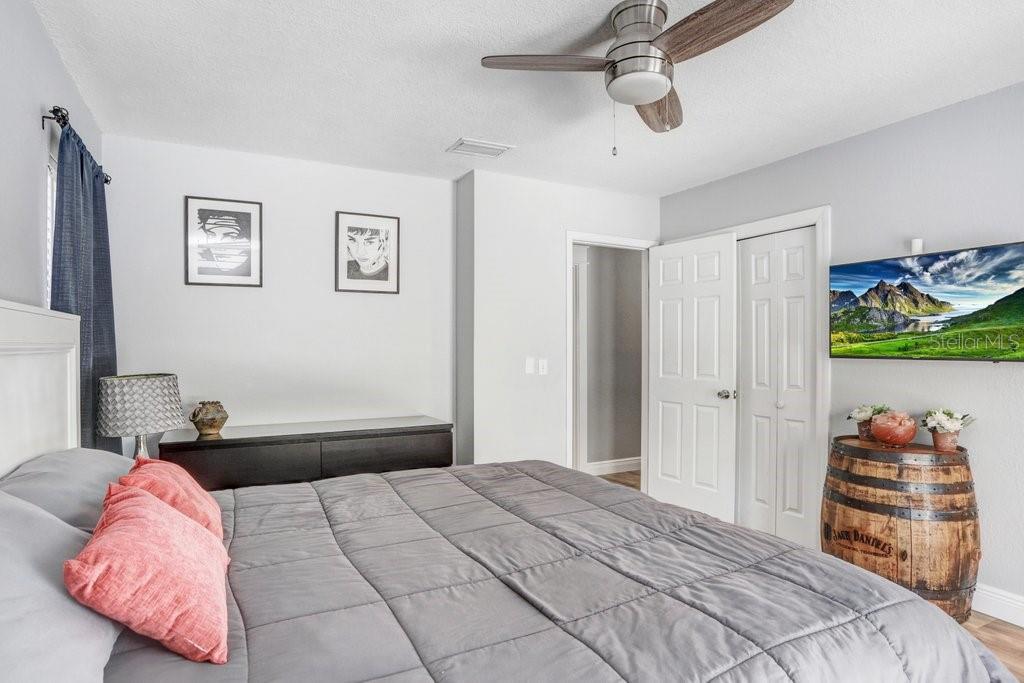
[[137, 405]]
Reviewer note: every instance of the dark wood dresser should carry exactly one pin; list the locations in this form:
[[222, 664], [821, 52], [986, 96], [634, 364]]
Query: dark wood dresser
[[279, 454]]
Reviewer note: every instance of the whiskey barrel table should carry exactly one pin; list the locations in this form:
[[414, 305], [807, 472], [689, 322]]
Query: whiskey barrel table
[[908, 514]]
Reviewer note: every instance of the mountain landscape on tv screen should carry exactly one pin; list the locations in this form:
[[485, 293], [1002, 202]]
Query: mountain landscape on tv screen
[[960, 304]]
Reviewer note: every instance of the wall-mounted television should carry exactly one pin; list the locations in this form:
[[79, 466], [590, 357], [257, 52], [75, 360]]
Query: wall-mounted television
[[952, 305]]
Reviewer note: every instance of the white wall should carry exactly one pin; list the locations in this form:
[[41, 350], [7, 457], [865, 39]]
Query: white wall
[[519, 305], [614, 353], [294, 349], [32, 79], [956, 178]]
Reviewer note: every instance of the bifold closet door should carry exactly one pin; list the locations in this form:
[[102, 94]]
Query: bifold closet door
[[778, 489]]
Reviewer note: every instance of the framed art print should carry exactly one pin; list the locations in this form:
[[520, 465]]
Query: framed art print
[[223, 242], [365, 253]]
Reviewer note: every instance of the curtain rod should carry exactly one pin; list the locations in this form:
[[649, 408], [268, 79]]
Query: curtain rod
[[63, 119]]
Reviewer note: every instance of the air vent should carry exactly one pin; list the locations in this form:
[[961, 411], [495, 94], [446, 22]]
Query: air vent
[[479, 148]]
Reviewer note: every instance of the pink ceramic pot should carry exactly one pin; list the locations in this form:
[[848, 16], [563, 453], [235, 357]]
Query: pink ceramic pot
[[946, 441], [894, 429]]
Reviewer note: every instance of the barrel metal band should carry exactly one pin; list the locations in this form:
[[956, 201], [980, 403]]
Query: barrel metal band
[[901, 486], [898, 457], [942, 595], [901, 512]]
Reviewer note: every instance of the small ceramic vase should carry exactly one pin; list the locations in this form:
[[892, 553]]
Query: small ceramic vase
[[864, 430], [945, 441], [209, 417]]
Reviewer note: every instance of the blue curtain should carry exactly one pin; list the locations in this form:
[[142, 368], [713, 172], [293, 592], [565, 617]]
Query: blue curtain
[[81, 272]]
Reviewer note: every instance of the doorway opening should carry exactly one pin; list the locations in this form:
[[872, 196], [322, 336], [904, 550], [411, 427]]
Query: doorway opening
[[607, 381]]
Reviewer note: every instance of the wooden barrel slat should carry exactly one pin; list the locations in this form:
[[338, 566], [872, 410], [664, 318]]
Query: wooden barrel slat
[[903, 485], [898, 471], [909, 514]]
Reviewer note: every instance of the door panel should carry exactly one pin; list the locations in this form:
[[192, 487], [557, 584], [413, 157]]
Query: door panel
[[776, 459], [671, 351], [672, 271], [762, 447], [800, 488], [670, 437], [706, 337], [758, 376], [705, 447], [791, 447], [793, 342], [693, 431]]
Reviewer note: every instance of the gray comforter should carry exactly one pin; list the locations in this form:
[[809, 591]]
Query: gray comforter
[[531, 572]]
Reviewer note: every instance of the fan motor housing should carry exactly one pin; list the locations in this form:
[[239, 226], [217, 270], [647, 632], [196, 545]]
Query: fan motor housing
[[640, 73]]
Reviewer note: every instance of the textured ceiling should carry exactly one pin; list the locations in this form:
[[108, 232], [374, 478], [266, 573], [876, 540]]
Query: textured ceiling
[[389, 84]]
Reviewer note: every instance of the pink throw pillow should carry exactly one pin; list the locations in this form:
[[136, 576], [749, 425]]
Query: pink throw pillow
[[157, 572], [176, 487]]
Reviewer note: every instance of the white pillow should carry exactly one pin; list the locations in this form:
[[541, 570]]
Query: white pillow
[[68, 484], [45, 634]]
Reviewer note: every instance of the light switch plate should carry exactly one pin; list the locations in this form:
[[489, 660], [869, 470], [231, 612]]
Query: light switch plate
[[531, 363], [542, 366]]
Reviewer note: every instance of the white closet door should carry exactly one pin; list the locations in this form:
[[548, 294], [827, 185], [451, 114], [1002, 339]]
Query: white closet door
[[778, 487], [758, 379], [692, 423], [799, 488]]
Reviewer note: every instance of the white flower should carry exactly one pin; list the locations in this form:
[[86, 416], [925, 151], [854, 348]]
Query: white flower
[[945, 421], [861, 413], [865, 412]]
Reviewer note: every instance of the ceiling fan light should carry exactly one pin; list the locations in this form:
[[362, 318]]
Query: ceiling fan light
[[639, 87]]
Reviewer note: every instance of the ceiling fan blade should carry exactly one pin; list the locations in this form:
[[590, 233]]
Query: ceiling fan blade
[[663, 115], [546, 62], [714, 25]]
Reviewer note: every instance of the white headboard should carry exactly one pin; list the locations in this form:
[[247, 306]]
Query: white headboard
[[39, 399]]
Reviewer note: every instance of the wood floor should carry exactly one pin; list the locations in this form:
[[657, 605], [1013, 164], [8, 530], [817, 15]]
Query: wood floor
[[630, 479], [1005, 640]]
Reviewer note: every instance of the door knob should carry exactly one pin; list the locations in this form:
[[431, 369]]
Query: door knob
[[724, 393]]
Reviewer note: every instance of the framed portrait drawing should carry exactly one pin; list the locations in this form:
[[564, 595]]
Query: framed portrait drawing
[[223, 242], [365, 253]]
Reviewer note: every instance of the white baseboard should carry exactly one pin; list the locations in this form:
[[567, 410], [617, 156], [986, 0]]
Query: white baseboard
[[995, 602], [612, 466]]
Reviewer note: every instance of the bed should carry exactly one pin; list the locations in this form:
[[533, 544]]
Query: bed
[[529, 571], [524, 571]]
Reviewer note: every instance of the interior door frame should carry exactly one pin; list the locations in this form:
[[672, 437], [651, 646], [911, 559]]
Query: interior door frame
[[616, 242], [820, 218], [578, 430]]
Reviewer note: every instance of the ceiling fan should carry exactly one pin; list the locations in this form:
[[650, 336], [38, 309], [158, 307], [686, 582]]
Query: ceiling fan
[[638, 66]]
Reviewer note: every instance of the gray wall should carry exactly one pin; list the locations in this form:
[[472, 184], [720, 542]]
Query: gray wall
[[32, 79], [956, 178], [614, 353]]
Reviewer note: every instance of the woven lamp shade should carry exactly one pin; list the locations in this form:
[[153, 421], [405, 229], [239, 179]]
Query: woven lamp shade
[[131, 405]]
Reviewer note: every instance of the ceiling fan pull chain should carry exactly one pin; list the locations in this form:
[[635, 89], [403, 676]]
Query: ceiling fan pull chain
[[615, 139]]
